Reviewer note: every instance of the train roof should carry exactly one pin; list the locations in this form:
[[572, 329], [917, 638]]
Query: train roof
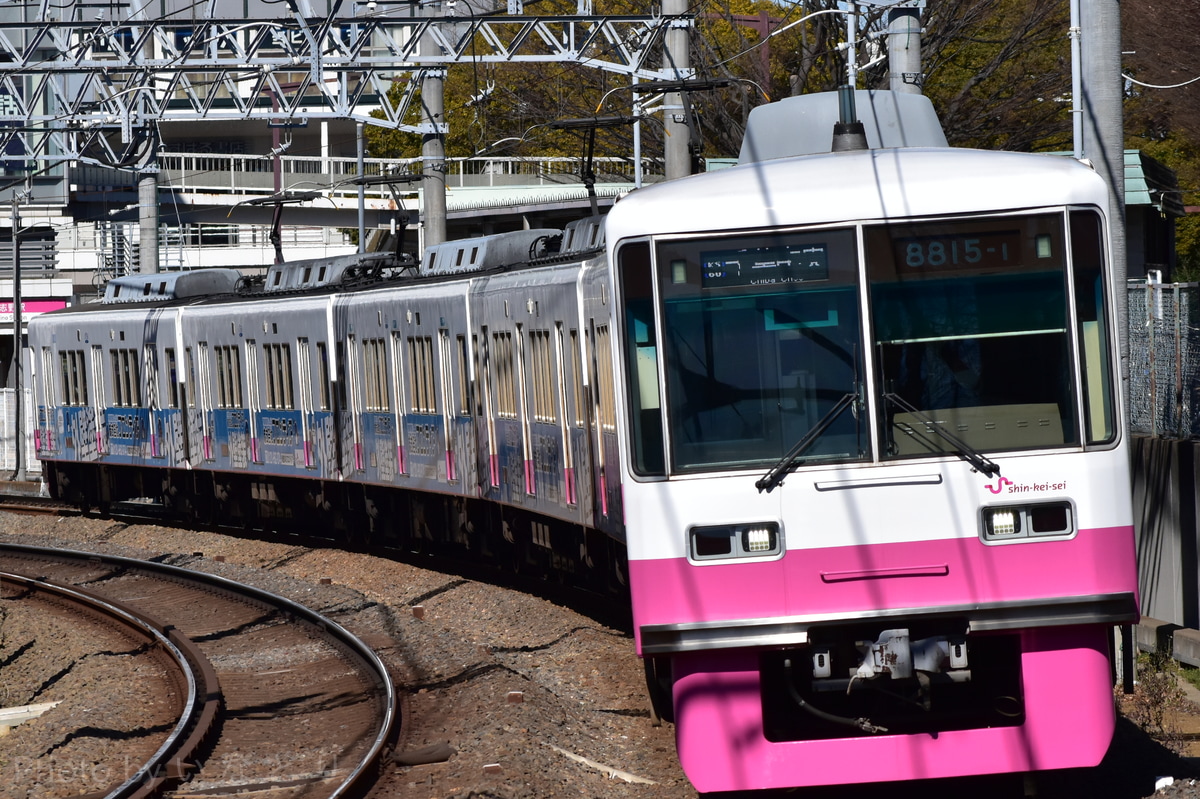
[[856, 185], [160, 286]]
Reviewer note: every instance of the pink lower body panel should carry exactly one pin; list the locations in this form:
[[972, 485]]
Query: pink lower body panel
[[848, 581], [1069, 721]]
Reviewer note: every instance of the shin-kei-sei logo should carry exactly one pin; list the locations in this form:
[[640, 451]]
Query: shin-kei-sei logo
[[1006, 486]]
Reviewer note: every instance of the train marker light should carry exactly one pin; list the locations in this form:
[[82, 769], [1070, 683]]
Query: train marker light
[[758, 539], [1003, 521]]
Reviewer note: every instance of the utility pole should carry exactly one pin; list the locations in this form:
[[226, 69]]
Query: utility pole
[[362, 188], [148, 221], [1104, 145], [18, 348], [433, 143], [1104, 135], [677, 132], [904, 50]]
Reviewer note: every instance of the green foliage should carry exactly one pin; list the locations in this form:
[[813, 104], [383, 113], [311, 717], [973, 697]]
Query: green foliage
[[999, 73]]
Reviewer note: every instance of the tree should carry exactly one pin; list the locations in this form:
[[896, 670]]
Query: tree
[[997, 71]]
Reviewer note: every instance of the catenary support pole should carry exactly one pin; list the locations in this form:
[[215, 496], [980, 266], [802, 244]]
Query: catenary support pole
[[148, 222], [433, 144], [677, 134], [1104, 137], [18, 348], [904, 50], [362, 189]]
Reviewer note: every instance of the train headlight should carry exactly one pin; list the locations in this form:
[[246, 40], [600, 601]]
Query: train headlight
[[1037, 520], [1002, 522], [720, 542]]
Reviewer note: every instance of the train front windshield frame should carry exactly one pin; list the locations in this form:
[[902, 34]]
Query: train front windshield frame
[[763, 338], [759, 340]]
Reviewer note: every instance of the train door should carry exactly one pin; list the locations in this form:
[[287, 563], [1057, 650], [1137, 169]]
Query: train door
[[355, 404], [447, 391], [581, 416], [178, 445], [100, 400], [153, 403], [484, 368], [398, 399], [465, 452], [149, 388], [206, 404], [605, 418], [43, 438], [564, 423], [304, 367], [521, 407], [253, 400]]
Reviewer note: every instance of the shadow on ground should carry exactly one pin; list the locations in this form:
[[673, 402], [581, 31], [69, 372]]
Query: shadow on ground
[[1134, 763]]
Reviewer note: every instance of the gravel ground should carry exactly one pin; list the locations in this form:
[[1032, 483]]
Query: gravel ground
[[534, 699]]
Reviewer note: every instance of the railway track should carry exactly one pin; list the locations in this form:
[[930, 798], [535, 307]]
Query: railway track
[[275, 697]]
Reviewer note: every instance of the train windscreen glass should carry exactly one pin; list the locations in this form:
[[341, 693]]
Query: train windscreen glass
[[972, 333], [761, 340]]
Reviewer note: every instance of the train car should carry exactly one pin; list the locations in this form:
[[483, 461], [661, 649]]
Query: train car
[[450, 406], [843, 421], [875, 474]]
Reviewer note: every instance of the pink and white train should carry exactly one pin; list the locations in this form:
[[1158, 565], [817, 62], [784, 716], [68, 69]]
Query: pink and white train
[[844, 420]]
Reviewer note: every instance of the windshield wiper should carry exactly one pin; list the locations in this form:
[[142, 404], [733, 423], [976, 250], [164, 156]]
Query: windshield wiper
[[774, 477], [960, 448]]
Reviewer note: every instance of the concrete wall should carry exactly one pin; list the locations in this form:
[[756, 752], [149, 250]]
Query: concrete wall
[[1164, 500]]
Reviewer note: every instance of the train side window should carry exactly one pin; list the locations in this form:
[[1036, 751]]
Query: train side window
[[279, 376], [641, 358], [126, 392], [285, 376], [229, 377], [604, 377], [269, 358], [172, 378], [421, 374], [100, 401], [578, 397], [376, 379], [1087, 256], [543, 381], [506, 391], [190, 367], [74, 378], [150, 363], [323, 376], [464, 377], [252, 383]]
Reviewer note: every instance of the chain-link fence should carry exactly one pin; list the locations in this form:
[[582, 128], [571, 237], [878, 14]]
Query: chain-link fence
[[1164, 359], [8, 434]]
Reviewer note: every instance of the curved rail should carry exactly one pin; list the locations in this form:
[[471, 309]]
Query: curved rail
[[203, 688], [367, 768]]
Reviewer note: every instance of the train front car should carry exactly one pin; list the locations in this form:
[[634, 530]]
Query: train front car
[[876, 483]]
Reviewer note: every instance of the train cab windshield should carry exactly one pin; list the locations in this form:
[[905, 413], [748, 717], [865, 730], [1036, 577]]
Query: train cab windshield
[[745, 350], [761, 339]]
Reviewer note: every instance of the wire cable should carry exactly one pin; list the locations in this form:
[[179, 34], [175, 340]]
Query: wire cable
[[1155, 86]]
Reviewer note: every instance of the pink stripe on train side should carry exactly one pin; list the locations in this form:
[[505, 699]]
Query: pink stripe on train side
[[898, 575]]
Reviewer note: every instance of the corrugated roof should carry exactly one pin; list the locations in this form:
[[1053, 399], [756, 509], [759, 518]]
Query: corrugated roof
[[1150, 182]]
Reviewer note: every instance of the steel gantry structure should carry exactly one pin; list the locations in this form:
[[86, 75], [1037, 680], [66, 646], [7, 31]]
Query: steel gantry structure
[[87, 82]]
